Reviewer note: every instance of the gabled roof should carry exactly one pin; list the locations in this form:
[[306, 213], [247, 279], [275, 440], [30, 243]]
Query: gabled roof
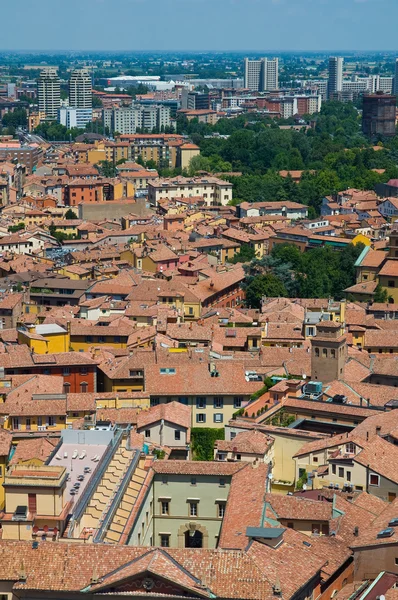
[[245, 505], [158, 563], [297, 507], [40, 448], [173, 412], [246, 442]]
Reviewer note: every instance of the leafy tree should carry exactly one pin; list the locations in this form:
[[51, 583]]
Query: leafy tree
[[70, 214], [380, 295], [16, 118], [97, 102], [245, 254], [302, 480], [203, 439], [107, 169], [15, 228], [264, 285], [151, 164], [318, 273]]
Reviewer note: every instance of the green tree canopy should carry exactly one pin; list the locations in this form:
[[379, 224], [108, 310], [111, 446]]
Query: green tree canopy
[[264, 285]]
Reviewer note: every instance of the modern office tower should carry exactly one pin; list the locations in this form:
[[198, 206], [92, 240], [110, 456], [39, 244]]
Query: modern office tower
[[262, 74], [80, 89], [195, 100], [49, 92], [378, 115], [335, 79]]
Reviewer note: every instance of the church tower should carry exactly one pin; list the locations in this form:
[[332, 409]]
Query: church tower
[[328, 352]]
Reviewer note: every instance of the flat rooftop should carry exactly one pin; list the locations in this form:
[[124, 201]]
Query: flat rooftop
[[69, 456]]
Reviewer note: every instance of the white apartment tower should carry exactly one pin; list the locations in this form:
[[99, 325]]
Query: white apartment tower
[[49, 92], [144, 117], [335, 79], [261, 75], [80, 89]]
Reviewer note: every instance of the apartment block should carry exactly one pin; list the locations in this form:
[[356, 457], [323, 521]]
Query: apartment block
[[127, 120], [215, 191]]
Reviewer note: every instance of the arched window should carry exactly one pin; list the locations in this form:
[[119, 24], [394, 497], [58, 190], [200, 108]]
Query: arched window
[[333, 353], [316, 351], [324, 352]]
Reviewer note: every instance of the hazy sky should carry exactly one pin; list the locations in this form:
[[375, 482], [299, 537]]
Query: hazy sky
[[199, 24]]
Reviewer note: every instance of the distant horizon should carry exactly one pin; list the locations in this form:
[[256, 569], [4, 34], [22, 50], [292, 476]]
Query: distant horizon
[[112, 25], [325, 52]]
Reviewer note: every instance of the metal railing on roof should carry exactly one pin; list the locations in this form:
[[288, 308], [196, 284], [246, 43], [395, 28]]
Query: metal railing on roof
[[92, 485], [108, 517], [54, 452]]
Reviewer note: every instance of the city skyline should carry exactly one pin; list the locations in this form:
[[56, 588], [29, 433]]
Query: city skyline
[[330, 25]]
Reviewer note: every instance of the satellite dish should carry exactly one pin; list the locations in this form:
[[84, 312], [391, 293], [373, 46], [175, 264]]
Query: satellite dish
[[304, 376], [382, 597]]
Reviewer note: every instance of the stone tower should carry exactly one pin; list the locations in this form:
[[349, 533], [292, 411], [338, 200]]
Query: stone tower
[[328, 352]]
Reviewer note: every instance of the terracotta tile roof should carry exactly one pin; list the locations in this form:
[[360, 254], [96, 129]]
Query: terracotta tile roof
[[296, 507], [136, 440], [328, 408], [5, 442], [118, 415], [365, 287], [247, 442], [120, 367], [354, 371], [80, 402], [369, 502], [377, 395], [284, 331], [19, 401], [385, 366], [381, 457], [292, 563], [216, 282], [383, 423], [389, 269], [248, 483], [173, 412], [192, 467], [326, 443], [9, 302], [368, 535], [187, 331], [197, 380], [40, 448], [380, 339], [86, 328], [70, 567], [154, 563]]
